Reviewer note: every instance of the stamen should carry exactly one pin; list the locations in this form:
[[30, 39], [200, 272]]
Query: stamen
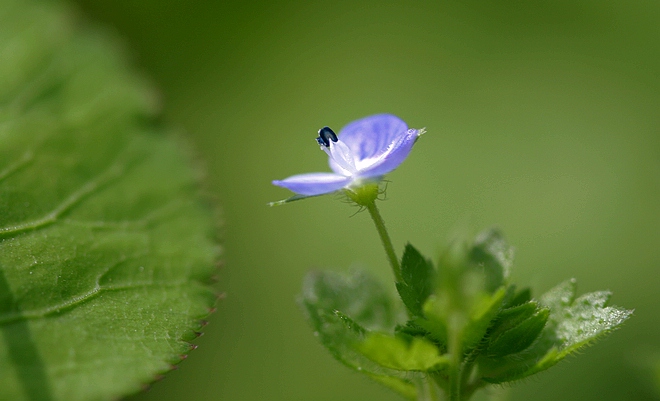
[[325, 135]]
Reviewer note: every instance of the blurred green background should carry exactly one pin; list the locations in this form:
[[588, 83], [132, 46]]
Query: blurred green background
[[542, 117]]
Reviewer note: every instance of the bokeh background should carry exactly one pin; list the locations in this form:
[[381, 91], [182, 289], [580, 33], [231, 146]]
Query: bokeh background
[[543, 118]]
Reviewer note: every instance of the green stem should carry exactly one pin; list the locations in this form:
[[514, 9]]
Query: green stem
[[454, 382], [455, 370], [385, 238], [427, 389]]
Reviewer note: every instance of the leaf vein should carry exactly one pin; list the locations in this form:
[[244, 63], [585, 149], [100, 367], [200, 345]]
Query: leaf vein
[[85, 190], [77, 300]]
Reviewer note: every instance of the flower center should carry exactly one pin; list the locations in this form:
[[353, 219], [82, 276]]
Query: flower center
[[337, 150]]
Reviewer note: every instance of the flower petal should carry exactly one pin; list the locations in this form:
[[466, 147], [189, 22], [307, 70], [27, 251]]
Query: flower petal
[[314, 183], [389, 159], [373, 135]]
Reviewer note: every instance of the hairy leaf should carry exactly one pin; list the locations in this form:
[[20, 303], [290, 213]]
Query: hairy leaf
[[434, 321], [418, 280], [105, 247], [492, 254], [572, 323], [517, 332], [395, 353], [517, 297], [480, 317], [342, 310]]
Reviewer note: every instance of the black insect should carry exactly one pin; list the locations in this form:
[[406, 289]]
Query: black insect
[[325, 135]]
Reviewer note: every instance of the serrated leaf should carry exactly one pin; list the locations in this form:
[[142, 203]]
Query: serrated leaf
[[511, 317], [517, 297], [520, 336], [356, 295], [395, 353], [572, 324], [481, 316], [418, 280], [585, 319], [342, 310], [435, 318], [492, 253], [105, 247]]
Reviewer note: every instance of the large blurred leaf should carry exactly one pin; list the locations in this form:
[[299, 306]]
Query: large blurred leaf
[[105, 247]]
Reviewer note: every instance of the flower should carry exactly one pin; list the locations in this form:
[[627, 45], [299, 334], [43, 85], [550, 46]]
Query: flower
[[363, 152]]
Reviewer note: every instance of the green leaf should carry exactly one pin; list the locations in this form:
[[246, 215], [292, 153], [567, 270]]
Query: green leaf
[[342, 310], [511, 317], [435, 318], [583, 320], [357, 295], [418, 280], [106, 250], [572, 324], [492, 254], [395, 353], [517, 330], [483, 312], [515, 298]]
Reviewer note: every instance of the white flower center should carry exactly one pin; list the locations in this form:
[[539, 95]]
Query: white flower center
[[342, 155]]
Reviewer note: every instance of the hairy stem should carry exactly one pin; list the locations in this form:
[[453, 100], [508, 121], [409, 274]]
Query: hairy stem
[[385, 238]]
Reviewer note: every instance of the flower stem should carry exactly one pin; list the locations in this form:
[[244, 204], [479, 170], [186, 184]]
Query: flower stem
[[385, 238], [455, 367]]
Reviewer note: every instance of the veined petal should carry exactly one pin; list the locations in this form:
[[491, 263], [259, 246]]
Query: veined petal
[[390, 158], [340, 158], [314, 183], [372, 136]]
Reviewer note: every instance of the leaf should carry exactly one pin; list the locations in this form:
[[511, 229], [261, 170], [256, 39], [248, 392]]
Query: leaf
[[342, 310], [435, 318], [572, 324], [583, 320], [483, 312], [517, 330], [356, 295], [516, 298], [418, 280], [106, 249], [395, 353], [511, 317], [339, 307], [491, 253]]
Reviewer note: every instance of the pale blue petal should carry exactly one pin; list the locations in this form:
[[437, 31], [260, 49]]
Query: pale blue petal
[[373, 135], [391, 158], [314, 183]]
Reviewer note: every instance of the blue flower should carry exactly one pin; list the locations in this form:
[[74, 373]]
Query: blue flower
[[363, 152]]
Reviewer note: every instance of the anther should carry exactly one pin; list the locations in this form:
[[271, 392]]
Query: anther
[[325, 135]]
